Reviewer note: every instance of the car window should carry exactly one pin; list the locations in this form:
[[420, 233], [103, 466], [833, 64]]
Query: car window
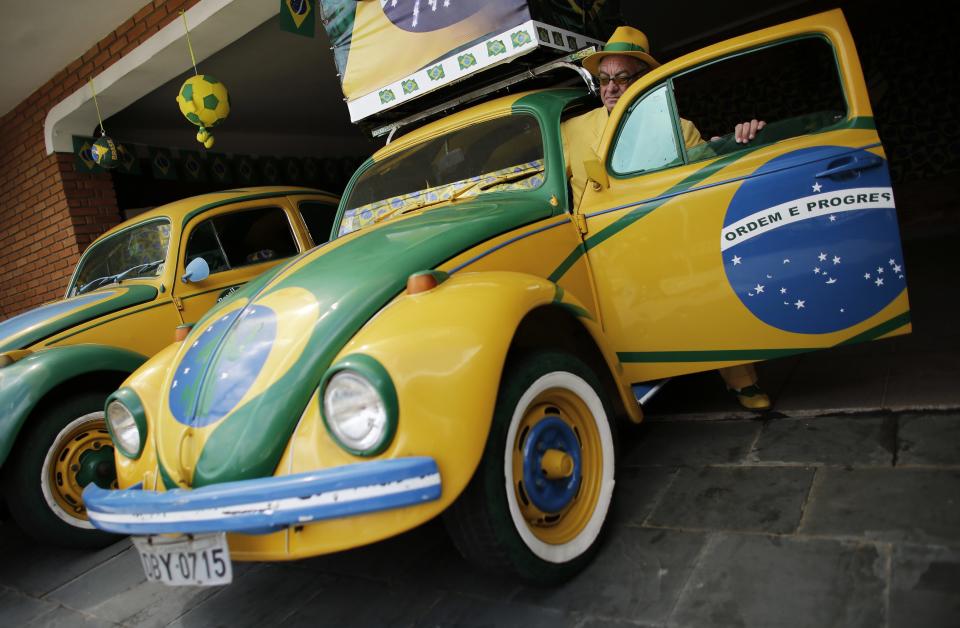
[[135, 252], [647, 140], [318, 217], [492, 156], [241, 238], [793, 86]]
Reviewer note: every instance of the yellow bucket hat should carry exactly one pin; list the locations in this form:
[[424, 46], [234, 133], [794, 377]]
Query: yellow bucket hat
[[625, 41]]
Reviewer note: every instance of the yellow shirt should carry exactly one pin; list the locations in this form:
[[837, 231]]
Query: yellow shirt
[[581, 139]]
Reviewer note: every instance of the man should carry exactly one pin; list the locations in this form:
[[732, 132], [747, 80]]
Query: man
[[623, 60]]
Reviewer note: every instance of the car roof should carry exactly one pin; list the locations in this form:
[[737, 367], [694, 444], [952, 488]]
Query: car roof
[[180, 209], [493, 108]]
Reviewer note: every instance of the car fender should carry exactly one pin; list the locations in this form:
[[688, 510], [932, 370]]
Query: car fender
[[24, 383], [445, 351], [147, 383]]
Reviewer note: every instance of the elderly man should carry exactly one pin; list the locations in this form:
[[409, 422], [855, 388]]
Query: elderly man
[[622, 61]]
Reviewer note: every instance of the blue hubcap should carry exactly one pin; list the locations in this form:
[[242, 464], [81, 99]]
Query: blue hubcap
[[550, 496]]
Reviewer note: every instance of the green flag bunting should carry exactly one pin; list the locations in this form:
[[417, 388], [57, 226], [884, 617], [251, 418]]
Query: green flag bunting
[[298, 16]]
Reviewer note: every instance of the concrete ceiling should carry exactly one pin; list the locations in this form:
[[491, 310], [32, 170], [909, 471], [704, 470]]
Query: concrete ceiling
[[38, 39], [284, 100], [284, 92]]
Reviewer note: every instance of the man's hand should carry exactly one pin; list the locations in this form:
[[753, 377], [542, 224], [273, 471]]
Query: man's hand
[[746, 131]]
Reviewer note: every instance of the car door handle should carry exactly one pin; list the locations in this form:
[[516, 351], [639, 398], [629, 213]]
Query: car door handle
[[850, 165]]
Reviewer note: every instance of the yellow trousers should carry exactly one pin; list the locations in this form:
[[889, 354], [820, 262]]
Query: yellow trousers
[[739, 377]]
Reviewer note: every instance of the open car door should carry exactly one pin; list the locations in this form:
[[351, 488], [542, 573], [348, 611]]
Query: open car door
[[716, 253]]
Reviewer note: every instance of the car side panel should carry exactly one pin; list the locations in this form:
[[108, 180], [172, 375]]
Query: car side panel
[[144, 329]]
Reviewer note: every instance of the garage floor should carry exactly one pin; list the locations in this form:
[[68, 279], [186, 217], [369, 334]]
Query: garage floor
[[839, 508]]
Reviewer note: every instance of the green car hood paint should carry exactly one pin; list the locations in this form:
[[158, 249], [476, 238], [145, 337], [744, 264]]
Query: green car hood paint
[[26, 382], [350, 282], [34, 325]]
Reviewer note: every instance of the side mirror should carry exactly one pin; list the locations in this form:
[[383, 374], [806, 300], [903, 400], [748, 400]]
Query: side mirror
[[197, 270], [597, 174]]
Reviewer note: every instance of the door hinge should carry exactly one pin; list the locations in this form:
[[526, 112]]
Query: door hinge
[[178, 302], [581, 222]]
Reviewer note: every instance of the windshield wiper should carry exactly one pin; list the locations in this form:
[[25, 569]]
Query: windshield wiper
[[102, 281], [509, 177], [399, 211]]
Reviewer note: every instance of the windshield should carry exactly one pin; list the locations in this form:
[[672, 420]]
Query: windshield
[[493, 156], [136, 252]]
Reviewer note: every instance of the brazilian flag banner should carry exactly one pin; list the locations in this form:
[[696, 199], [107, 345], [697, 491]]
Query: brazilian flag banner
[[128, 162], [192, 166], [162, 164], [82, 158], [391, 51], [220, 170], [298, 16], [246, 170]]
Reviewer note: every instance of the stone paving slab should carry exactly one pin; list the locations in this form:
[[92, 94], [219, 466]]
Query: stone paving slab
[[38, 569], [262, 596], [851, 441], [118, 591], [896, 505], [17, 609], [66, 618], [925, 587], [929, 439], [637, 576], [472, 612], [693, 443], [425, 555], [637, 492], [759, 499], [353, 602], [754, 580]]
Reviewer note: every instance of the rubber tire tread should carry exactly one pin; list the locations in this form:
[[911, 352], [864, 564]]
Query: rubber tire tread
[[22, 489], [479, 521]]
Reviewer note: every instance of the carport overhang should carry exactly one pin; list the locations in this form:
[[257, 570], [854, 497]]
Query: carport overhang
[[214, 24]]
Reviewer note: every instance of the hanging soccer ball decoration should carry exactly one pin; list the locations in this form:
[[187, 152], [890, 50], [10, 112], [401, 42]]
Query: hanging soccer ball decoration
[[104, 153], [204, 101]]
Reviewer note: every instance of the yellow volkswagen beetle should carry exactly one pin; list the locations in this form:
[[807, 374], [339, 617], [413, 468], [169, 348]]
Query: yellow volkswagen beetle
[[130, 290], [467, 342]]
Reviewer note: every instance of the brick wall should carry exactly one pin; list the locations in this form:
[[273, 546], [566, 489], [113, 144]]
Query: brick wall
[[48, 212]]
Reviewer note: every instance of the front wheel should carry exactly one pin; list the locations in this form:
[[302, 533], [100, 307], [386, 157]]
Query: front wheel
[[538, 502], [62, 448]]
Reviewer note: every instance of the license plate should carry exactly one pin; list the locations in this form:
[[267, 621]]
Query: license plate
[[197, 560]]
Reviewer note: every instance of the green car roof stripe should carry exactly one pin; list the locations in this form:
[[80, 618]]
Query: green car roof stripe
[[240, 199], [360, 276], [130, 295]]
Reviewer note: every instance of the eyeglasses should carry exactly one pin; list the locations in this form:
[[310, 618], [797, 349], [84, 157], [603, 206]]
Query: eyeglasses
[[620, 79]]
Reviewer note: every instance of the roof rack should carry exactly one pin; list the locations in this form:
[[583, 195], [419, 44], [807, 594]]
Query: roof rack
[[567, 62]]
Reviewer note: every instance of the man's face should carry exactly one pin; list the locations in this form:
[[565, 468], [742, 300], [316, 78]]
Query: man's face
[[617, 67]]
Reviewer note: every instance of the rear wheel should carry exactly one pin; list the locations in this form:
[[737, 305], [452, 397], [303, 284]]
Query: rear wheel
[[64, 447], [538, 502]]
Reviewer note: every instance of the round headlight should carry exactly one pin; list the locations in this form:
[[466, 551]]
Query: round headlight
[[123, 426], [355, 412]]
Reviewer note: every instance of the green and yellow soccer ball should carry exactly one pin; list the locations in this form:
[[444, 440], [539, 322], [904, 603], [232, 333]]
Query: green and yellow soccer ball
[[204, 101]]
